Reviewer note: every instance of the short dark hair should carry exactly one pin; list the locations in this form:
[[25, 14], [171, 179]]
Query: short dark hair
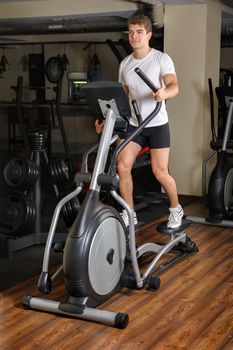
[[141, 20]]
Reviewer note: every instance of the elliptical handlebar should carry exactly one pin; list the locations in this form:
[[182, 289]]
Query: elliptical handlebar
[[113, 166], [212, 124], [136, 111], [146, 80]]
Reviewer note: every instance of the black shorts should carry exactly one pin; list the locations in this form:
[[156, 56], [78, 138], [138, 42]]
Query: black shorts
[[153, 137]]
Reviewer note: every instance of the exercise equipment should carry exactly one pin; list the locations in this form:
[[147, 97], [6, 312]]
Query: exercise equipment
[[16, 117], [219, 198], [17, 208], [58, 91], [26, 174], [17, 214], [100, 253], [54, 69], [20, 173], [54, 73], [21, 210], [59, 171]]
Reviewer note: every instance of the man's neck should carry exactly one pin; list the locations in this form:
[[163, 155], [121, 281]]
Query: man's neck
[[141, 53]]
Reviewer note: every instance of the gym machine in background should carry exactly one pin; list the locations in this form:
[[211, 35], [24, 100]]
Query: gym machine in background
[[219, 198], [54, 71], [22, 203], [21, 206]]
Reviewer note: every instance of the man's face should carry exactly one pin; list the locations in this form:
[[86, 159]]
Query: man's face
[[138, 37]]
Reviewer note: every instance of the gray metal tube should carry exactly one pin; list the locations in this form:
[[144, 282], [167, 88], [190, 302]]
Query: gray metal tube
[[132, 240], [103, 149], [203, 221], [53, 226], [63, 26], [91, 314], [164, 250], [37, 196]]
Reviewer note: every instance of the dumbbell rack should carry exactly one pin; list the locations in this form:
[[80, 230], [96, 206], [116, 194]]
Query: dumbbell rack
[[8, 244]]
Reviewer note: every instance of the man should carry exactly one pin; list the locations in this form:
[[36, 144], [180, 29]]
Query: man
[[159, 68]]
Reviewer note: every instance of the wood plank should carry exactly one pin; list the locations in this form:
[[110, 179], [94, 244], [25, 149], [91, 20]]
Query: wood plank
[[219, 334]]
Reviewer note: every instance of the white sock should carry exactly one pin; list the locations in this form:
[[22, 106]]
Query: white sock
[[175, 209]]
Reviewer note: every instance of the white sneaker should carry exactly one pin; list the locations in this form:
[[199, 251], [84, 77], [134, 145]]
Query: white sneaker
[[175, 217], [125, 218]]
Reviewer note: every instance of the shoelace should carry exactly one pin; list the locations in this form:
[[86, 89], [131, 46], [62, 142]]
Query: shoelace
[[174, 217], [125, 218]]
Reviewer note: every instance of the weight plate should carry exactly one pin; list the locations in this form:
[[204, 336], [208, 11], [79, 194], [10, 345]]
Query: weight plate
[[20, 173], [54, 69], [70, 211], [17, 214], [15, 172], [59, 171]]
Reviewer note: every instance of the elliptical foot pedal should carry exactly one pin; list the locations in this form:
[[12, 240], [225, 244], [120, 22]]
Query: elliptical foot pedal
[[188, 246], [162, 227]]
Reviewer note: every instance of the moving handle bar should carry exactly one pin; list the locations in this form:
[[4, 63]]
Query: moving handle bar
[[146, 80], [113, 166], [150, 84]]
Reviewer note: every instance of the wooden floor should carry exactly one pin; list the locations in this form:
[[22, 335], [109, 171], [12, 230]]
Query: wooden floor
[[193, 309]]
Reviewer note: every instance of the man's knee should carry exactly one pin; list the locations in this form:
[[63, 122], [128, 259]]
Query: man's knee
[[124, 168], [161, 175]]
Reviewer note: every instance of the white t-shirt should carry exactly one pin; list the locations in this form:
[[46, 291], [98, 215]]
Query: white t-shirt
[[155, 65]]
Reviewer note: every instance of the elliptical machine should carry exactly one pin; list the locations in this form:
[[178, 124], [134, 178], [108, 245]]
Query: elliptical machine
[[220, 191], [100, 253], [219, 198]]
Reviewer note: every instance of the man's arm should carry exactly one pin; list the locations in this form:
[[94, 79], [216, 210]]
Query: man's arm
[[125, 87], [99, 125], [170, 90]]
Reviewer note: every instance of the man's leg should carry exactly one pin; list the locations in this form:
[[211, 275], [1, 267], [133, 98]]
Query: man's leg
[[159, 162], [125, 164]]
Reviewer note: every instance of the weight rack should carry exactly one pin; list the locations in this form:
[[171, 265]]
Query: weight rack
[[9, 244]]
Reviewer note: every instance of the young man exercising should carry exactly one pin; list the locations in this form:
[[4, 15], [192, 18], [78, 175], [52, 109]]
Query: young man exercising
[[160, 69]]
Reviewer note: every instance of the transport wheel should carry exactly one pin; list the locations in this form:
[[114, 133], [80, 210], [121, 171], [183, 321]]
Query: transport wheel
[[153, 283]]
